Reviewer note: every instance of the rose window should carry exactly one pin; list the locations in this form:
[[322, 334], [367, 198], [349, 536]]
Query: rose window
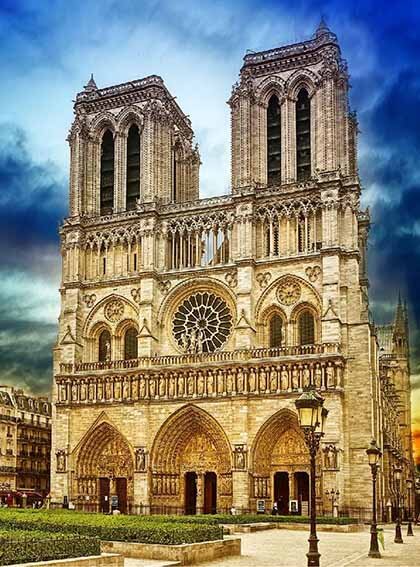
[[202, 323]]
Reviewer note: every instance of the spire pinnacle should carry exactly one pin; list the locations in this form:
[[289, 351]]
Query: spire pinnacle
[[91, 85], [322, 27]]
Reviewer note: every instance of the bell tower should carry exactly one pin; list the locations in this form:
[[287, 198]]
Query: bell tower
[[290, 119], [130, 144]]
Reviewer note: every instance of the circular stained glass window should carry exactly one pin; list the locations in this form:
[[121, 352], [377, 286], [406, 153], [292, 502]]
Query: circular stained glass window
[[202, 323]]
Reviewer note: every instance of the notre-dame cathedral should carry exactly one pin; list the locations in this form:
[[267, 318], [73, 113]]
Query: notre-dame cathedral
[[189, 326]]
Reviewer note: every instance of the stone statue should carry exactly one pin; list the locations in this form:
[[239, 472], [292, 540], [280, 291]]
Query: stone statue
[[74, 392], [284, 378], [262, 380], [220, 382], [200, 383], [229, 381], [141, 459], [61, 461], [162, 388], [117, 390], [190, 384], [181, 385], [107, 351], [240, 381], [273, 379], [210, 383], [200, 339], [63, 393], [172, 386], [126, 389], [193, 341], [295, 378], [318, 376], [185, 342], [152, 387], [91, 391], [83, 391], [306, 376], [252, 381], [330, 376]]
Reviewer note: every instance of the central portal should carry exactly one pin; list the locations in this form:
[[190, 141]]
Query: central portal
[[210, 493], [104, 503], [190, 493], [281, 492]]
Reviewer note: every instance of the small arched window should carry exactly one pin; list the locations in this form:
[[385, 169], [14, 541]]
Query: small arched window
[[306, 325], [276, 331], [273, 141], [104, 346], [107, 173], [133, 167], [130, 343], [303, 135]]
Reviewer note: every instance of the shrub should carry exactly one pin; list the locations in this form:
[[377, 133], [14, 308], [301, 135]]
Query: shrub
[[23, 546], [258, 518], [144, 529]]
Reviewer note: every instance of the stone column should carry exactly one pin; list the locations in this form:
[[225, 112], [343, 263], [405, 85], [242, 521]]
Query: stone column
[[240, 491]]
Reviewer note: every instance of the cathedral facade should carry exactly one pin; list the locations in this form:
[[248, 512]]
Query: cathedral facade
[[189, 326]]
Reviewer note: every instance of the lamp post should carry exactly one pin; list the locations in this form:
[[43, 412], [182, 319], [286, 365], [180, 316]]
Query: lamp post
[[409, 484], [374, 454], [312, 417], [397, 477]]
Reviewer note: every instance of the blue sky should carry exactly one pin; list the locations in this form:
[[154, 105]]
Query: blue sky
[[48, 50]]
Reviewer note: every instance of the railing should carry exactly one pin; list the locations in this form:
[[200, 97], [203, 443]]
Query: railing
[[188, 359], [4, 417]]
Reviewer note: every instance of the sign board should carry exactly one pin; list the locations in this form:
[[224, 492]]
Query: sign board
[[114, 501], [305, 508], [260, 506]]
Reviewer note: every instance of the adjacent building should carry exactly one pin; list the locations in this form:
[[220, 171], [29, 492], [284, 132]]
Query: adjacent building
[[25, 446], [189, 326]]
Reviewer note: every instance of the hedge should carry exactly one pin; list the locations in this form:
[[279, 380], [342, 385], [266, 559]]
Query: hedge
[[259, 518], [23, 546], [143, 529]]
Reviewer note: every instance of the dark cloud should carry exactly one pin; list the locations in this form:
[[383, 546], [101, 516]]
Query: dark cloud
[[32, 202], [31, 205]]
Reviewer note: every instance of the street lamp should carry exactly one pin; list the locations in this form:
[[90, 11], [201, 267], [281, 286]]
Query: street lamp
[[312, 417], [374, 454], [409, 484], [397, 477]]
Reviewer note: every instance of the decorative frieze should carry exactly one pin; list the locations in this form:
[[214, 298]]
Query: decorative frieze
[[255, 380]]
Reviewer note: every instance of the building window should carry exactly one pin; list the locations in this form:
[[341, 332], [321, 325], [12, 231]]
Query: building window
[[133, 167], [306, 328], [276, 331], [130, 343], [273, 141], [107, 173], [303, 136], [104, 346]]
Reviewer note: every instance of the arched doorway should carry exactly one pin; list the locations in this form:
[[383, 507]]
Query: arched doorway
[[280, 464], [104, 471], [191, 464]]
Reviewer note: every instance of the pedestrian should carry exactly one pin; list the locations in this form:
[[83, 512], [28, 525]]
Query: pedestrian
[[275, 509]]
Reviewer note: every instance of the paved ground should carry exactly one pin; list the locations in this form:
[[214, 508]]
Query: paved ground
[[287, 548]]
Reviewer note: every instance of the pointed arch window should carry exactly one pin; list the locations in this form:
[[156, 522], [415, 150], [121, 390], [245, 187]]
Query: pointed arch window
[[306, 324], [104, 346], [107, 173], [303, 135], [276, 331], [130, 343], [273, 141], [133, 167]]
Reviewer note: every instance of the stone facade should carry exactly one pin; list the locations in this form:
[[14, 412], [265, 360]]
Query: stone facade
[[25, 445], [189, 326]]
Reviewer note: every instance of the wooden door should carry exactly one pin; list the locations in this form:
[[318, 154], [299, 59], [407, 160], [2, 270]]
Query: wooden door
[[190, 493], [104, 505], [121, 485], [210, 493]]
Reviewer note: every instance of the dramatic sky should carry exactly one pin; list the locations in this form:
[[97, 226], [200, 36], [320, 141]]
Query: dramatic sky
[[48, 50]]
